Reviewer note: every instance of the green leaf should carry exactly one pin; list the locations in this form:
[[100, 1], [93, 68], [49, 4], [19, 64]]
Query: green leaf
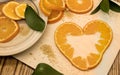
[[114, 7], [96, 10], [45, 69], [104, 6], [33, 20]]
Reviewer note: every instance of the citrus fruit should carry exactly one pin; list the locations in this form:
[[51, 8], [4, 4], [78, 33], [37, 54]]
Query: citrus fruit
[[55, 4], [43, 8], [9, 10], [55, 16], [8, 29], [1, 6], [85, 59], [79, 6], [20, 10]]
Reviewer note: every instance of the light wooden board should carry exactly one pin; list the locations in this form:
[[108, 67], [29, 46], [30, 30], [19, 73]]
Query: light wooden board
[[37, 53]]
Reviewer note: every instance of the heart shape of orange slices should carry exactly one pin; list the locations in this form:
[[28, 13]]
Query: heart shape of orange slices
[[83, 59]]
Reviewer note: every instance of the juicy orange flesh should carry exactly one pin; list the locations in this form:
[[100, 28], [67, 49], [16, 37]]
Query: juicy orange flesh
[[54, 14], [10, 10], [91, 28], [21, 9], [84, 4], [44, 8], [56, 2], [80, 62], [1, 6], [7, 27], [93, 58], [102, 27], [69, 52]]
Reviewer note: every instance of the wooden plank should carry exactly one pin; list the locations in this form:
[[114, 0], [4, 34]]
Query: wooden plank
[[115, 69], [25, 70], [9, 66], [2, 59], [18, 68]]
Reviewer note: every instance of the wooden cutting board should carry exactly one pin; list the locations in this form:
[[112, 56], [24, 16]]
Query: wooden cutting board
[[45, 50]]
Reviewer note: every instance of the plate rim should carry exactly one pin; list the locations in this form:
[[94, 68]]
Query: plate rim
[[37, 34]]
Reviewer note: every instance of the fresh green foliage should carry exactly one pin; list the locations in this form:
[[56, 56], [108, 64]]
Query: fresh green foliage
[[45, 69], [96, 10], [114, 7], [33, 20], [106, 5]]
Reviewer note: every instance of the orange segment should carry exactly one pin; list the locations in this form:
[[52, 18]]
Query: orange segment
[[102, 27], [8, 29], [80, 63], [43, 8], [20, 10], [92, 59], [55, 4], [9, 10], [79, 6], [55, 16]]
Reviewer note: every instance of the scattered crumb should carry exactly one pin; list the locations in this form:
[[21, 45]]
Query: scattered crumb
[[47, 50], [30, 53], [32, 56]]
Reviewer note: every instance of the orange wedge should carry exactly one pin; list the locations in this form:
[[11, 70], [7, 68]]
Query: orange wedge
[[71, 29], [55, 4], [55, 16], [79, 6], [9, 10], [8, 29], [43, 8], [20, 10]]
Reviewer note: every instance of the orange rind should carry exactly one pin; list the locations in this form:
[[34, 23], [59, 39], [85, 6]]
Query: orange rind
[[44, 9], [71, 29], [8, 29], [9, 10], [55, 4], [79, 6], [20, 10], [55, 16]]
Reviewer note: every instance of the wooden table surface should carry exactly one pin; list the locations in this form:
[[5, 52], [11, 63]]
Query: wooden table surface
[[11, 66]]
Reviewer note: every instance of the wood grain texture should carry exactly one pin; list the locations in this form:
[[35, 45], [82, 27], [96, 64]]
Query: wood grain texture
[[11, 66]]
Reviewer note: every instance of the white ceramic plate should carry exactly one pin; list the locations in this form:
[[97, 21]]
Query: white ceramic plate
[[25, 38]]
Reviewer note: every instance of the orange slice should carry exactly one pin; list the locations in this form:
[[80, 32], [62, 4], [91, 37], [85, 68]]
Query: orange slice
[[8, 29], [43, 8], [71, 29], [79, 6], [9, 10], [1, 6], [55, 16], [20, 10], [55, 4]]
